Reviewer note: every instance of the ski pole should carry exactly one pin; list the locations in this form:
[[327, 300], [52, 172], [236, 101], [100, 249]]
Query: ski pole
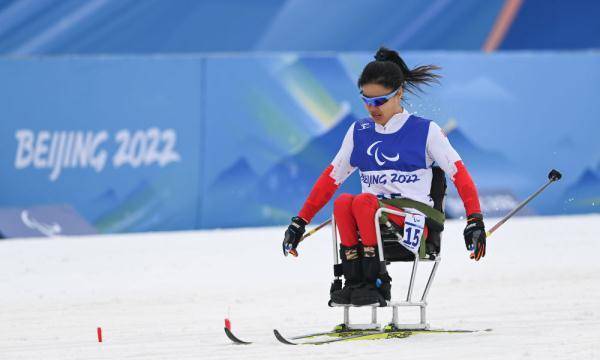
[[319, 227], [293, 252], [553, 176]]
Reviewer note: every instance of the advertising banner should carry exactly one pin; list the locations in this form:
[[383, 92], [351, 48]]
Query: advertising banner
[[116, 138], [189, 142]]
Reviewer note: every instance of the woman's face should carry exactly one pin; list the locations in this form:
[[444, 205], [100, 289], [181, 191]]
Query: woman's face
[[382, 114]]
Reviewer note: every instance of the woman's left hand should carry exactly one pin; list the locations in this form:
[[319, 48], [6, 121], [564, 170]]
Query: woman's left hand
[[475, 236]]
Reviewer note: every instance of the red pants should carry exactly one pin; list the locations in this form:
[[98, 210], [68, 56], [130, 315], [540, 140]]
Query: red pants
[[357, 213]]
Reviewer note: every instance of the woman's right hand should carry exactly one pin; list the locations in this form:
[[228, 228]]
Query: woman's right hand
[[293, 235]]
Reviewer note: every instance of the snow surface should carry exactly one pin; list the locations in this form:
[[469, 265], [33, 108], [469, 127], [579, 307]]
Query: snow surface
[[165, 295]]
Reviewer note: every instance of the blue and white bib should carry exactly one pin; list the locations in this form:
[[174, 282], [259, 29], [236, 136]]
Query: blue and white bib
[[393, 165]]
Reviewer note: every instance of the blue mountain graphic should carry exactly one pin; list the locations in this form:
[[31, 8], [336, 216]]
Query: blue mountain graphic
[[276, 196], [491, 170], [101, 205], [584, 195], [286, 185], [474, 156], [236, 179], [229, 201]]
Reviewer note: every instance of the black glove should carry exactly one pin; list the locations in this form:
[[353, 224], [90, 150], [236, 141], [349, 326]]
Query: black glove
[[293, 234], [475, 236]]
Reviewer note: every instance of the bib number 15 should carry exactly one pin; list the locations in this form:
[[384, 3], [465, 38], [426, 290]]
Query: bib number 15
[[414, 225]]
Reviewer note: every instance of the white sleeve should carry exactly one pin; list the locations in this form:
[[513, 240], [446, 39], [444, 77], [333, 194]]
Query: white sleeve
[[341, 163], [440, 151]]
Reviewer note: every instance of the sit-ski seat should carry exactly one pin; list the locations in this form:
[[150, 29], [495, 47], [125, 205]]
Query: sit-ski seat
[[391, 250]]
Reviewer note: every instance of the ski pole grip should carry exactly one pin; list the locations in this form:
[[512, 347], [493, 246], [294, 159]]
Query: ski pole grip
[[554, 175]]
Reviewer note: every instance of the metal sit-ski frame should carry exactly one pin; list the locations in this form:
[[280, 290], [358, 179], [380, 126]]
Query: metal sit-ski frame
[[422, 304]]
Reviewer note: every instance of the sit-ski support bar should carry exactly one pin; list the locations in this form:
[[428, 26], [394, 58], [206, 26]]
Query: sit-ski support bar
[[383, 268]]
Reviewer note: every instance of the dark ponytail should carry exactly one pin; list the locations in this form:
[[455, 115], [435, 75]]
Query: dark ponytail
[[390, 70]]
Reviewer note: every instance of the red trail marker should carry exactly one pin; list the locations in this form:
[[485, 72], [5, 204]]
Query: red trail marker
[[99, 334]]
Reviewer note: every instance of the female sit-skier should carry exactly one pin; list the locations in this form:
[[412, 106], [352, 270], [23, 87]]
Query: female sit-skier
[[394, 152]]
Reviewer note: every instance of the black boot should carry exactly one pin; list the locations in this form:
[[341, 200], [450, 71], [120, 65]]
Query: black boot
[[376, 287], [352, 269], [384, 285]]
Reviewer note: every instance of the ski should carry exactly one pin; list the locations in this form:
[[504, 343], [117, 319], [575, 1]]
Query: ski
[[340, 333], [335, 333], [337, 336], [313, 335], [234, 338], [361, 335]]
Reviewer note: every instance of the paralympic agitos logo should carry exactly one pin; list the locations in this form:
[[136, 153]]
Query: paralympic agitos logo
[[376, 154]]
